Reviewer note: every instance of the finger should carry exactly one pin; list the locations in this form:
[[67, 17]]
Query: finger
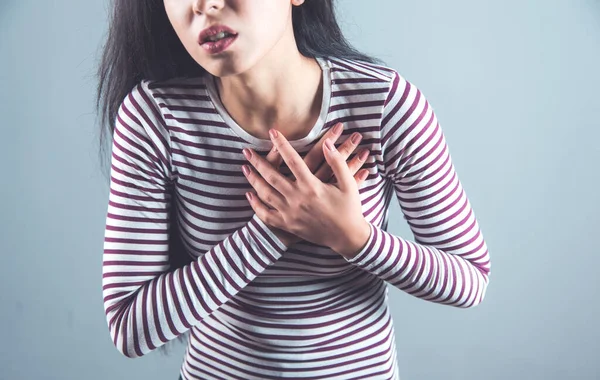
[[263, 189], [274, 158], [358, 161], [361, 176], [339, 167], [273, 177], [292, 159], [324, 173], [314, 158], [354, 164], [270, 217]]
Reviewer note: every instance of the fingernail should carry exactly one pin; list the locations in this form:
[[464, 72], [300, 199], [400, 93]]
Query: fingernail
[[246, 170], [249, 196], [273, 133], [356, 137], [329, 145], [363, 155], [338, 128], [247, 153]]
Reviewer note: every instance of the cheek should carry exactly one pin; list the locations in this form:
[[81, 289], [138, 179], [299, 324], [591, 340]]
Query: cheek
[[268, 33]]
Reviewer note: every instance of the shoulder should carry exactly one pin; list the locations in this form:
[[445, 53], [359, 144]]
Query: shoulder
[[362, 69], [154, 99], [165, 92], [403, 108], [143, 117], [168, 96], [158, 87], [141, 107], [374, 78]]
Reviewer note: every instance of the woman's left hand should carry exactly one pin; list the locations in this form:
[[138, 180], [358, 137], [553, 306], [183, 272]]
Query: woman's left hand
[[328, 214]]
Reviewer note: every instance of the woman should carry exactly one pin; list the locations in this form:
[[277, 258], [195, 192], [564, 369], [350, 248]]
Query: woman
[[211, 102]]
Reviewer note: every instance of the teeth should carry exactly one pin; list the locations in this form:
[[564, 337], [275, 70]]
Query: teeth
[[218, 36]]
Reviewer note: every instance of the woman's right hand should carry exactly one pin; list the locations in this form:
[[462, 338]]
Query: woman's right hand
[[314, 160]]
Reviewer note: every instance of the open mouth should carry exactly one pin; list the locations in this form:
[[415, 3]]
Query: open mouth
[[219, 36], [219, 42]]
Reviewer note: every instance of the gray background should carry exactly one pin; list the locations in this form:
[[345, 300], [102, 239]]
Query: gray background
[[515, 87]]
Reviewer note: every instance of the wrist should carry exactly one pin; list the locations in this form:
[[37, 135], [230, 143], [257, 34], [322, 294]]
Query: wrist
[[355, 241], [283, 236]]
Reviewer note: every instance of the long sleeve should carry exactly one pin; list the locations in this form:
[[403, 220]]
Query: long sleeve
[[448, 262], [147, 305]]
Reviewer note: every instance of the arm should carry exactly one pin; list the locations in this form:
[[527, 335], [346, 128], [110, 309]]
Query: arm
[[146, 305], [448, 262]]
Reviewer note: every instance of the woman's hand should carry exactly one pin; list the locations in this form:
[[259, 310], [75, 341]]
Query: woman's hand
[[314, 161], [328, 214]]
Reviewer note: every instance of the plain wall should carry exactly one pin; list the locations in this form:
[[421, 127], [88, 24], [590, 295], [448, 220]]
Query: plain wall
[[515, 88]]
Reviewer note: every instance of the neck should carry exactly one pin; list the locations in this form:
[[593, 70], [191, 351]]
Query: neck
[[282, 91]]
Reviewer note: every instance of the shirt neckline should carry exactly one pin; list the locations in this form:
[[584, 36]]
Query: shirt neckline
[[325, 65]]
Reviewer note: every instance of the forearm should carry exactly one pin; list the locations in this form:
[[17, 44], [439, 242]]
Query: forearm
[[146, 306], [425, 271]]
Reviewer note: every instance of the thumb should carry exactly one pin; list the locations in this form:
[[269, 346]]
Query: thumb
[[338, 166], [274, 158]]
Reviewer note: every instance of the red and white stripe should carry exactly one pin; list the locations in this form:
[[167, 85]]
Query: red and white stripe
[[254, 308]]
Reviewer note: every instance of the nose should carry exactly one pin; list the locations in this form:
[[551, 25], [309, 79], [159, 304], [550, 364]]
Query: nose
[[207, 6]]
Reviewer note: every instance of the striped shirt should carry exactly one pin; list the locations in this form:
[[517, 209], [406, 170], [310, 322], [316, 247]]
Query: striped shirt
[[253, 307]]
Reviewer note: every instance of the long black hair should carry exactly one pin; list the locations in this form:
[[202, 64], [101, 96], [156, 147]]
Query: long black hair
[[142, 44]]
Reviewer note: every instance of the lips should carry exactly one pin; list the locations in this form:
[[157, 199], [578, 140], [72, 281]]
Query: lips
[[213, 30]]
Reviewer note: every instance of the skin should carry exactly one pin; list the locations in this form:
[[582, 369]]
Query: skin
[[322, 213], [312, 160], [266, 84], [262, 79]]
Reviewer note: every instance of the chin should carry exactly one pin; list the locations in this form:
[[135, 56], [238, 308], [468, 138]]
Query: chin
[[228, 63], [220, 66]]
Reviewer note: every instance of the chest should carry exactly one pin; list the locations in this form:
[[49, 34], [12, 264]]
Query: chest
[[209, 203]]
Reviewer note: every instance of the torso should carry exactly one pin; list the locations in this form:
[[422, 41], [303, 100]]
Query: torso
[[311, 313]]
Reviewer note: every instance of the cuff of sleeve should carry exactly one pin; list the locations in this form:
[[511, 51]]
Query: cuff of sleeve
[[364, 256], [267, 236]]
